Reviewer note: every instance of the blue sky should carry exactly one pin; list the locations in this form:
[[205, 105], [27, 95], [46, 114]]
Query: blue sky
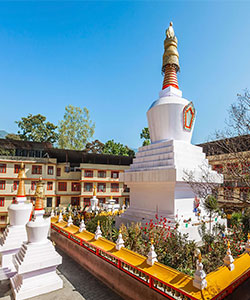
[[107, 56]]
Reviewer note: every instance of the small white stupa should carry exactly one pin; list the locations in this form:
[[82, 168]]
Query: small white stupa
[[94, 202], [199, 276], [15, 234], [37, 259], [152, 256], [82, 225]]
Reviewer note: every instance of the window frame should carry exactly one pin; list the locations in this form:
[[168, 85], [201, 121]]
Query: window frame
[[15, 185], [17, 168], [49, 185], [115, 172], [3, 168], [2, 201], [2, 185], [49, 169], [88, 176], [64, 183], [58, 172], [35, 168], [98, 189], [88, 183], [101, 171], [114, 190], [77, 185]]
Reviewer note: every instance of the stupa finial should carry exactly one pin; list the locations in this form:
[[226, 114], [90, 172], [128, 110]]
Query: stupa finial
[[94, 192], [21, 186], [170, 64], [39, 194]]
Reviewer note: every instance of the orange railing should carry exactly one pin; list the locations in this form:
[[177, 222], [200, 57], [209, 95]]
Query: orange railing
[[166, 289]]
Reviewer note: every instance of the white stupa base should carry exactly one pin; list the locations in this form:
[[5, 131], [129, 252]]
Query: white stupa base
[[157, 185], [14, 235], [36, 270]]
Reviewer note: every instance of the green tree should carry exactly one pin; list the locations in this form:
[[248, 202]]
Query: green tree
[[13, 136], [75, 129], [111, 147], [34, 128], [211, 206], [95, 147], [145, 136]]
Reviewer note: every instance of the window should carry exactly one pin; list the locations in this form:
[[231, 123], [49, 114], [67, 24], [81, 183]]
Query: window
[[1, 201], [245, 168], [15, 185], [75, 187], [2, 219], [58, 172], [49, 202], [36, 169], [88, 173], [86, 201], [114, 187], [33, 185], [228, 193], [58, 201], [101, 174], [62, 186], [218, 168], [50, 170], [114, 174], [75, 201], [244, 194], [88, 187], [125, 189], [49, 186], [2, 184], [2, 168], [17, 168], [101, 187]]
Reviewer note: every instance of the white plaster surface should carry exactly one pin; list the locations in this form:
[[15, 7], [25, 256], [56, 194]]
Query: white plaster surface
[[156, 176], [13, 236]]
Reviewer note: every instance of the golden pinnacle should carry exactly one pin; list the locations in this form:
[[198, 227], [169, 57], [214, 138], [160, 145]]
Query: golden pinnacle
[[248, 236], [152, 241], [120, 231], [228, 244], [199, 257], [98, 223]]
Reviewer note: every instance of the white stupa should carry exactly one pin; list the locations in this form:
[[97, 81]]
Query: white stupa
[[156, 177], [94, 202], [37, 259], [15, 234]]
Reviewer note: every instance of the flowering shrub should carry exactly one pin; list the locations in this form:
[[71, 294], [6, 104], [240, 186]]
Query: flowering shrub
[[172, 248]]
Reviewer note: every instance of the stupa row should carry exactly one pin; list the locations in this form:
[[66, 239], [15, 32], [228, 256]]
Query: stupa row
[[29, 259]]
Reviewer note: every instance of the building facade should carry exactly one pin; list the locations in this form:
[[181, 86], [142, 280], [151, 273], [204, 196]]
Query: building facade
[[231, 158], [69, 176]]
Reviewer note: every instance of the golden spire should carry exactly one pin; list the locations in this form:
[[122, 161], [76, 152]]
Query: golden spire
[[248, 236], [152, 241], [120, 231], [94, 192], [171, 55], [21, 186], [228, 244], [199, 257], [111, 197], [39, 194], [98, 223]]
